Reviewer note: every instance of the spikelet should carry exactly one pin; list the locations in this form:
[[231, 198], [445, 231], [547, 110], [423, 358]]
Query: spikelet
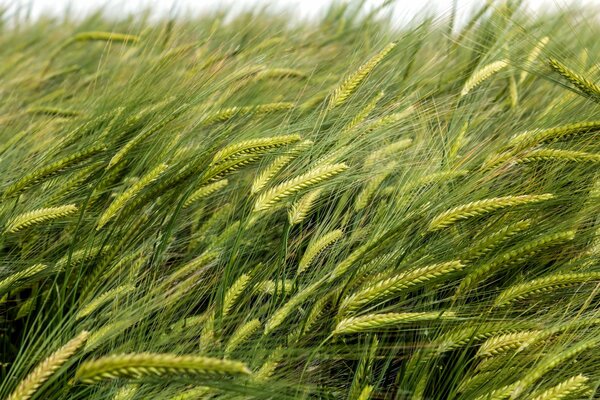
[[351, 83], [317, 248], [362, 114], [106, 37], [564, 389], [120, 155], [489, 243], [481, 207], [49, 171], [557, 155], [280, 162], [241, 335], [277, 194], [545, 284], [225, 114], [300, 209], [102, 299], [254, 146], [47, 368], [502, 343], [205, 191], [374, 322], [130, 193], [391, 286], [234, 292], [38, 216], [7, 283], [126, 392], [550, 362], [586, 86], [192, 394], [365, 393], [535, 53], [531, 138], [365, 195], [140, 365], [512, 257], [284, 311], [481, 75]]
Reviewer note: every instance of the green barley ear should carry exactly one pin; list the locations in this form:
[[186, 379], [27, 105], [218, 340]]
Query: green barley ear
[[544, 285], [585, 86], [254, 146], [38, 216], [141, 365], [558, 155], [225, 114], [300, 209], [104, 298], [510, 257], [118, 157], [53, 111], [489, 243], [106, 37], [7, 284], [531, 138], [391, 286], [351, 83], [277, 194], [241, 335], [367, 193], [502, 343], [479, 76], [317, 248], [362, 114], [234, 292], [482, 207], [535, 53], [126, 196], [47, 368], [279, 163], [376, 322], [126, 392], [365, 393], [280, 315], [41, 174], [565, 389], [205, 191]]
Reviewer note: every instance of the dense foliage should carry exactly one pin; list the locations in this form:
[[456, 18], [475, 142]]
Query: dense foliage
[[215, 207]]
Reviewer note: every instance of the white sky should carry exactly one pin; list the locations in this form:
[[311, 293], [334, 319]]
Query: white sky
[[404, 9]]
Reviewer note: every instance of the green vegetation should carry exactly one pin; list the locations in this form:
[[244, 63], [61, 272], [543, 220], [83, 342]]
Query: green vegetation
[[237, 208]]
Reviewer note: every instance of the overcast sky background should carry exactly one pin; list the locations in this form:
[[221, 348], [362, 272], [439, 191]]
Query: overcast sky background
[[404, 9]]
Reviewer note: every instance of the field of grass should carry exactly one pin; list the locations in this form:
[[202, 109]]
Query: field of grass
[[238, 208]]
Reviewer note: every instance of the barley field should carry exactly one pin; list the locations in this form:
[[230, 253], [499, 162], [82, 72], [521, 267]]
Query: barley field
[[255, 207]]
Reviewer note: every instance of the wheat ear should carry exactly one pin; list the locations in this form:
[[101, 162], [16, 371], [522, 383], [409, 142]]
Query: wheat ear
[[586, 86], [317, 248], [47, 368], [373, 322], [140, 365], [391, 286], [275, 195], [351, 83], [38, 216], [543, 285], [481, 207], [479, 76], [130, 193]]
